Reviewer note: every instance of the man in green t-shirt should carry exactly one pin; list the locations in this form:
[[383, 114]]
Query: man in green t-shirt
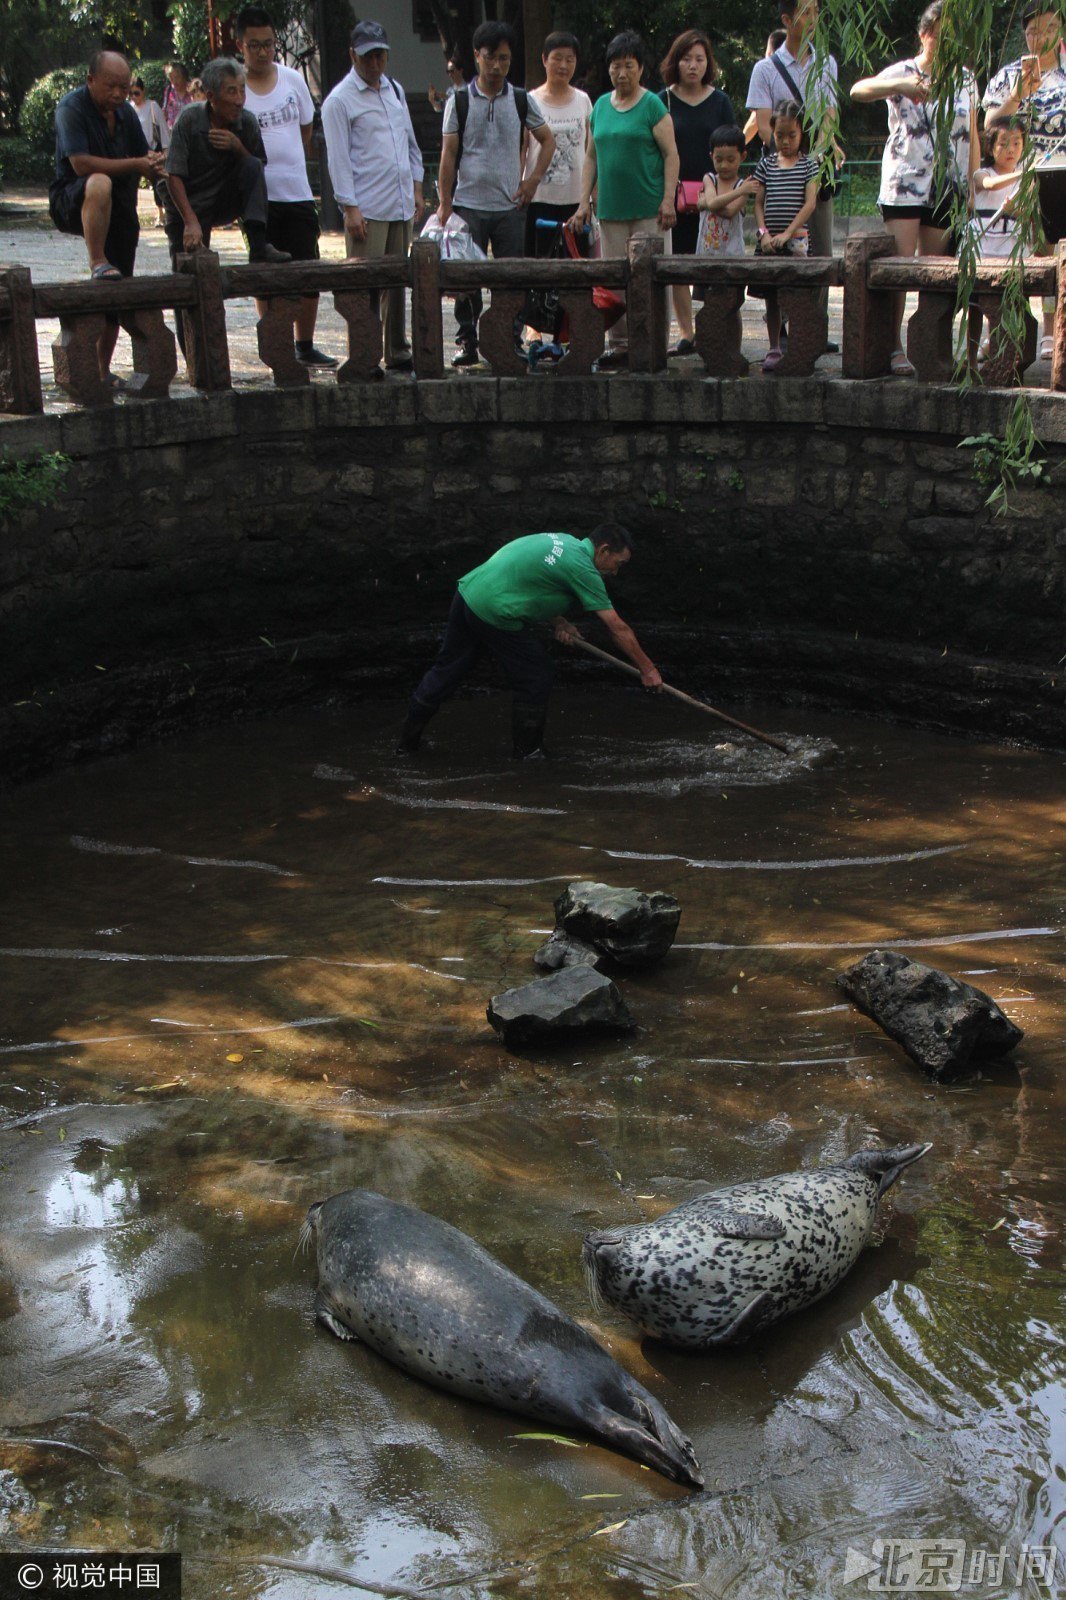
[[533, 579]]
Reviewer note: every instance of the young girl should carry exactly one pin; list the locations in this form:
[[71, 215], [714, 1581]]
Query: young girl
[[785, 197], [995, 189], [724, 197]]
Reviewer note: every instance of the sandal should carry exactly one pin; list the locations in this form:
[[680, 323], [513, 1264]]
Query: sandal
[[104, 270], [773, 358], [683, 347], [899, 366]]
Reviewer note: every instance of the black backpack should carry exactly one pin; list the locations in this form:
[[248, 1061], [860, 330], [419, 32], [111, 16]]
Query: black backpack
[[462, 111]]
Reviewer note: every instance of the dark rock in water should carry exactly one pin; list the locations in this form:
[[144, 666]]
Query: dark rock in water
[[631, 927], [944, 1025], [563, 951], [576, 997]]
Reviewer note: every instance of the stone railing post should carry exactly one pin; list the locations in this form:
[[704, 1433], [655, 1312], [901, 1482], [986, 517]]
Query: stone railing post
[[427, 321], [719, 331], [20, 369], [74, 360], [646, 306], [1058, 354], [206, 344], [868, 339], [155, 361]]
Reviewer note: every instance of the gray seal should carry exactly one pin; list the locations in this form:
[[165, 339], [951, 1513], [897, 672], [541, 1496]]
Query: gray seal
[[713, 1270], [431, 1300]]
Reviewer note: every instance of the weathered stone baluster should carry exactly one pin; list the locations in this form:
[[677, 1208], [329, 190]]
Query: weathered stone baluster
[[587, 333], [719, 331], [20, 369], [427, 321], [868, 338], [155, 360], [1005, 363], [274, 338], [74, 361], [496, 333], [806, 311], [365, 334], [1058, 352], [206, 344], [646, 311], [931, 331]]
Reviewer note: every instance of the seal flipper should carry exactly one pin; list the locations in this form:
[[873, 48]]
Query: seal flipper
[[745, 1322], [745, 1225], [329, 1320]]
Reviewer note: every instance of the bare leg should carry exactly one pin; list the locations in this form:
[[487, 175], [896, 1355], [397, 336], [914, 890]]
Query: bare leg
[[96, 216], [105, 349], [904, 231], [306, 317], [683, 309]]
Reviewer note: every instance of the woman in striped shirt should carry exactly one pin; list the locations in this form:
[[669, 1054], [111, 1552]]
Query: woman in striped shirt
[[784, 201]]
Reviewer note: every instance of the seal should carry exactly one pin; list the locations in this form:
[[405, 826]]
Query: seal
[[431, 1300], [712, 1271]]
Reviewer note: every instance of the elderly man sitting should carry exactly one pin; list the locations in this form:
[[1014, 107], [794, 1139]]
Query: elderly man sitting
[[101, 156], [215, 168]]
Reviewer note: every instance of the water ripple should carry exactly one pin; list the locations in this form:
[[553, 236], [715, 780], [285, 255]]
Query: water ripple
[[101, 847]]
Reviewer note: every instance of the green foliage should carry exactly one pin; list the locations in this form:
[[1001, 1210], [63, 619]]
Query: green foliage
[[37, 117], [30, 481], [154, 75], [21, 163], [736, 481], [191, 43], [1015, 461], [116, 24]]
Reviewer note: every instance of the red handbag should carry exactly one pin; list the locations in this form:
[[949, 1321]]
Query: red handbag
[[687, 198]]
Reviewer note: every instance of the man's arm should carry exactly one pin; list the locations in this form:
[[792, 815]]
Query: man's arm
[[528, 187], [627, 641], [193, 236], [148, 166], [446, 173]]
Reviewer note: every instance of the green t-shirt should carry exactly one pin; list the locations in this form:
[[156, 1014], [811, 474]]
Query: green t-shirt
[[534, 578], [629, 164]]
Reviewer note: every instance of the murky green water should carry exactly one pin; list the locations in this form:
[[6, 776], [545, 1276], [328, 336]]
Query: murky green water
[[250, 969]]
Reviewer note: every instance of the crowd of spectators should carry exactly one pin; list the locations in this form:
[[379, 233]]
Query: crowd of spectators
[[518, 166]]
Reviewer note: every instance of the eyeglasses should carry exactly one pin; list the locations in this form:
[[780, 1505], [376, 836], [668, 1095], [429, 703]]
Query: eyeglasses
[[259, 46]]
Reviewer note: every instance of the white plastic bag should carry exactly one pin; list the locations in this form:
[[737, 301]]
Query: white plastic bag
[[454, 239]]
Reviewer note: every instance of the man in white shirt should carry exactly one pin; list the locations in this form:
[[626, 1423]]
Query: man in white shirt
[[376, 169], [281, 103], [797, 72]]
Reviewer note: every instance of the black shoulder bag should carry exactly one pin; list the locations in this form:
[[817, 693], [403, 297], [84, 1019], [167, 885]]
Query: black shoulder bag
[[829, 186]]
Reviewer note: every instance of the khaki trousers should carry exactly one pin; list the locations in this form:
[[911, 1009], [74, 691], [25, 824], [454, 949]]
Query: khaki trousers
[[385, 239], [614, 240]]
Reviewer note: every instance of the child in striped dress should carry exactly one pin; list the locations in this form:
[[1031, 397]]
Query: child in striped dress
[[785, 199]]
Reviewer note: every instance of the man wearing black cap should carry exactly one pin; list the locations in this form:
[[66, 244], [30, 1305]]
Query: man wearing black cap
[[376, 169]]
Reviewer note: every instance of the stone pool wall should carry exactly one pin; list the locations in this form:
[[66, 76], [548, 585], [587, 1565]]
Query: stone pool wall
[[256, 549]]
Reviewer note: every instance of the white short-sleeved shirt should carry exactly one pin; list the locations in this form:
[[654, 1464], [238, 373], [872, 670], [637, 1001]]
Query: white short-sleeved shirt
[[561, 184], [816, 81], [280, 115], [995, 239], [908, 162]]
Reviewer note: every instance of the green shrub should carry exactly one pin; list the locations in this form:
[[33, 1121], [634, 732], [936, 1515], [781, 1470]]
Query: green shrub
[[32, 481], [154, 76], [21, 163], [37, 118]]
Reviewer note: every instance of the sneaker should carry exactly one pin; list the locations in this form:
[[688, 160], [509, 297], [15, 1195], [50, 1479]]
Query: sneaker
[[466, 356], [683, 347], [269, 255], [831, 348], [403, 363], [611, 359], [314, 357], [1047, 348]]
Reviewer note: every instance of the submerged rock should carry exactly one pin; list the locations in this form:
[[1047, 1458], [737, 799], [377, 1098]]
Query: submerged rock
[[631, 927], [574, 998], [944, 1025], [563, 951]]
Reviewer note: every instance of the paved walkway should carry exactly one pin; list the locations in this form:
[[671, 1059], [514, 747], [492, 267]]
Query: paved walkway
[[27, 238]]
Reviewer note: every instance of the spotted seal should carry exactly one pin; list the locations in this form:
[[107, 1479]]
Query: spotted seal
[[431, 1300], [715, 1269]]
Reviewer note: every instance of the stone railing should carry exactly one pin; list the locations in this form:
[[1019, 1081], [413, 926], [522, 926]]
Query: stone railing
[[869, 275]]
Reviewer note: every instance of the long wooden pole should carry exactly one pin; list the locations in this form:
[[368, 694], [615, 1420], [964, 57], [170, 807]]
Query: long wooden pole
[[679, 694]]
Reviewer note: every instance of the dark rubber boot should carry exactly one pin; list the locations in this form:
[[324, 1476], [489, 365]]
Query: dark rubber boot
[[527, 733], [411, 732]]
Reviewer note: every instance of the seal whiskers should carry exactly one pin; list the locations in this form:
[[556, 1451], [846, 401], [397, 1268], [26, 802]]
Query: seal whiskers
[[428, 1298]]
